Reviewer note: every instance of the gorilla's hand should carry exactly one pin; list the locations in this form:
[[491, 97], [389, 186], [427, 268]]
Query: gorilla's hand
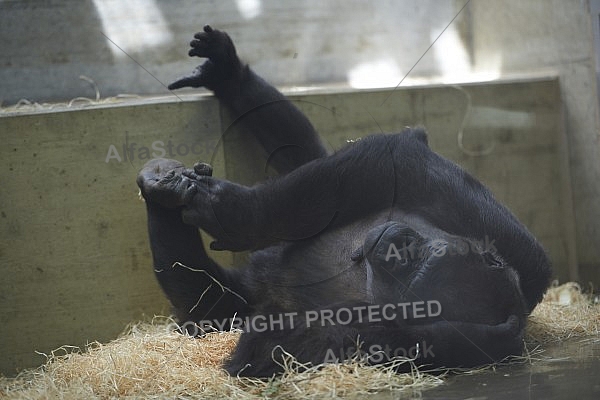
[[221, 65], [162, 181]]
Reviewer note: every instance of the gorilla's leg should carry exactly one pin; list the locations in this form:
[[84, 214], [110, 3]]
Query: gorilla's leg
[[286, 134], [325, 193], [196, 286]]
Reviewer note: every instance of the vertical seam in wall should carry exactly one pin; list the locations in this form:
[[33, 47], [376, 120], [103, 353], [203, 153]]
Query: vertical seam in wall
[[568, 201]]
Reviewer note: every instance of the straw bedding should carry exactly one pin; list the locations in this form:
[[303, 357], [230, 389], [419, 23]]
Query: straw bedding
[[150, 360]]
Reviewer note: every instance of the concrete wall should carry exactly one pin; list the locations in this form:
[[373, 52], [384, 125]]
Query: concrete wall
[[48, 44], [516, 37], [73, 242]]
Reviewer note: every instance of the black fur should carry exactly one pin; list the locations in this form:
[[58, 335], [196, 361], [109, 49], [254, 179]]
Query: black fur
[[322, 235]]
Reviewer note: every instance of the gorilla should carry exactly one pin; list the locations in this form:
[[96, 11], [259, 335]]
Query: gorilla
[[383, 248]]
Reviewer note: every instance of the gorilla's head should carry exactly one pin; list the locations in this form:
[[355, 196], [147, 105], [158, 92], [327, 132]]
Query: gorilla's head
[[414, 261]]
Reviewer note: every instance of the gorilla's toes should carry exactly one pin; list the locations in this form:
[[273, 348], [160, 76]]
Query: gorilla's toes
[[203, 169]]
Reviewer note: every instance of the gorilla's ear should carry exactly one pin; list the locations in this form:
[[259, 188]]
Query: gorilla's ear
[[465, 344]]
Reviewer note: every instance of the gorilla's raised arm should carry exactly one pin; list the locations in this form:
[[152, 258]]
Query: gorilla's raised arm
[[286, 134]]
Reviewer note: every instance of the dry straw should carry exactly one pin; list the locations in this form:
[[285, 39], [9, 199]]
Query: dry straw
[[564, 313], [150, 360]]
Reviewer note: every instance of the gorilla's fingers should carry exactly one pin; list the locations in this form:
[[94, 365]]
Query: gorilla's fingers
[[182, 82], [160, 181], [192, 80], [204, 43], [206, 28], [199, 49]]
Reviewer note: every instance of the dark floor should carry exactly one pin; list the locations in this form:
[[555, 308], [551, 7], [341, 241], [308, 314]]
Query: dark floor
[[568, 370]]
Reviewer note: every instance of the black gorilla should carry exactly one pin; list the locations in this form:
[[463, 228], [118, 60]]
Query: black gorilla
[[383, 244]]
